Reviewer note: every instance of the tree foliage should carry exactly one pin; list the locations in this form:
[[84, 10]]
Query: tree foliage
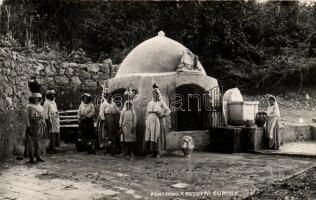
[[245, 44]]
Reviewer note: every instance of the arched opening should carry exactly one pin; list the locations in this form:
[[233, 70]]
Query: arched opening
[[191, 108]]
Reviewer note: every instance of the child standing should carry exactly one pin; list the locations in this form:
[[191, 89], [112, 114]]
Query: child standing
[[128, 120]]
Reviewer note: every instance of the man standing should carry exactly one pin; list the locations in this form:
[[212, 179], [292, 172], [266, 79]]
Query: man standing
[[52, 120]]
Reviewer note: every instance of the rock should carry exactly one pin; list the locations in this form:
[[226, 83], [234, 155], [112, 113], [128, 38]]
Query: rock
[[84, 74], [18, 93], [50, 70], [90, 83], [75, 81], [76, 72], [101, 83], [96, 77], [9, 101], [7, 64], [13, 74], [39, 67], [107, 61], [64, 64], [72, 65], [105, 69], [69, 71], [7, 71], [9, 91], [61, 80], [93, 68], [61, 71], [48, 81]]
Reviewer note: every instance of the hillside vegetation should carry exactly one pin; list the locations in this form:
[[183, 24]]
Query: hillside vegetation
[[245, 44]]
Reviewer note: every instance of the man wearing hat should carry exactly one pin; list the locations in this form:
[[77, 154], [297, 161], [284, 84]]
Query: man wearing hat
[[52, 120]]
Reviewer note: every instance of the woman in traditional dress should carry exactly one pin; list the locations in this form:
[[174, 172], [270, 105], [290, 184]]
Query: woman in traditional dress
[[35, 127], [109, 115], [128, 121], [155, 135], [52, 120], [272, 123], [86, 114]]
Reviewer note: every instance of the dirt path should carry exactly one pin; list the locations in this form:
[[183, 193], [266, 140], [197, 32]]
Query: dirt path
[[302, 186], [205, 176]]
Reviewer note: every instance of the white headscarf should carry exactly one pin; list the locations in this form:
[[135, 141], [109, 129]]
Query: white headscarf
[[274, 108]]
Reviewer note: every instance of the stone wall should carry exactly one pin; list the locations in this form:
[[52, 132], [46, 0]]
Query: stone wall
[[297, 133], [70, 80]]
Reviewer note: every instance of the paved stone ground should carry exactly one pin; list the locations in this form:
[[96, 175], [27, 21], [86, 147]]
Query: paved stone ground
[[72, 175]]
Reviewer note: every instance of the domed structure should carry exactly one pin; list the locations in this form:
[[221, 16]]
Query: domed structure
[[159, 54], [178, 73]]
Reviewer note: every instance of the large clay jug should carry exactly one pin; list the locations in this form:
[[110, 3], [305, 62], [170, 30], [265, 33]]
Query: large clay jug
[[261, 119]]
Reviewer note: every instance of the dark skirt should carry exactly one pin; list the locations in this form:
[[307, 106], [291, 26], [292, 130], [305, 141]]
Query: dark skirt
[[111, 127], [152, 147], [86, 128]]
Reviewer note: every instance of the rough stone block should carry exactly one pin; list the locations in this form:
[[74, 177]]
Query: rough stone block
[[93, 68], [39, 67], [61, 80], [50, 70], [61, 71], [84, 74], [96, 77], [64, 64], [48, 81], [90, 83], [75, 81], [69, 71]]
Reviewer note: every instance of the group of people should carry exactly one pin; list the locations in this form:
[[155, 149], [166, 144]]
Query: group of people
[[117, 129]]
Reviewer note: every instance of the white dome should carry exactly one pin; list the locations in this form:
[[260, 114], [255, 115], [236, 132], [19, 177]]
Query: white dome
[[159, 54]]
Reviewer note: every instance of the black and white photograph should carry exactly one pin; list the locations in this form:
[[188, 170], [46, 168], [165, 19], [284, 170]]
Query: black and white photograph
[[157, 100]]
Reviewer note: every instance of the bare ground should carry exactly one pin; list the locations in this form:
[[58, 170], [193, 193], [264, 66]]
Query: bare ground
[[74, 175], [302, 186]]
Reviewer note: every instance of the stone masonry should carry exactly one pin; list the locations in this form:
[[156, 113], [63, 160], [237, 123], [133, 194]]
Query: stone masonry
[[69, 79]]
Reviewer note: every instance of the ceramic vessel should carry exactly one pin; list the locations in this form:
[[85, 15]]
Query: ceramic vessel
[[261, 119]]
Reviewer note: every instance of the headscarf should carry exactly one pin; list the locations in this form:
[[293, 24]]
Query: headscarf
[[36, 95], [86, 95], [276, 105], [50, 91]]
